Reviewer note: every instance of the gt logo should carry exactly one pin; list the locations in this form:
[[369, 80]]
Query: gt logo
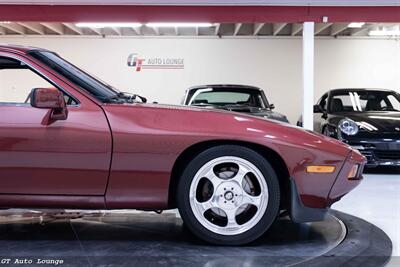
[[135, 61]]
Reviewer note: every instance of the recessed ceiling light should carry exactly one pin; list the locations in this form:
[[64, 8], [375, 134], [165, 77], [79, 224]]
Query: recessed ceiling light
[[108, 25], [356, 24], [179, 24]]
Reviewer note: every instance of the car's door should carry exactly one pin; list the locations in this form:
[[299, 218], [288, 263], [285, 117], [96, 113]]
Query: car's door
[[320, 113], [64, 157]]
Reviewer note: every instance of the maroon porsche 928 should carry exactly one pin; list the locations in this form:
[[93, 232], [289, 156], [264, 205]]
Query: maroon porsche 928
[[68, 140]]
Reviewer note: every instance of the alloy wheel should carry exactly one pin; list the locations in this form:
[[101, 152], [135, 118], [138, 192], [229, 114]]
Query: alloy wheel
[[228, 195]]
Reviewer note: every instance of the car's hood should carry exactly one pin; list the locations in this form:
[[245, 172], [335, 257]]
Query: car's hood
[[255, 111], [268, 114], [215, 124], [259, 112], [376, 121], [245, 111]]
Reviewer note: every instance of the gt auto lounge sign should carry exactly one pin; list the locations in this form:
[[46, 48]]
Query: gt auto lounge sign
[[155, 63]]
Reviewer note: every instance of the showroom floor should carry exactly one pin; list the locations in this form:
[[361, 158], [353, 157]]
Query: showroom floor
[[377, 200], [120, 237], [126, 238]]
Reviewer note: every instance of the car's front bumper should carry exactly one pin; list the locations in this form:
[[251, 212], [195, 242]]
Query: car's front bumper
[[379, 152], [344, 183]]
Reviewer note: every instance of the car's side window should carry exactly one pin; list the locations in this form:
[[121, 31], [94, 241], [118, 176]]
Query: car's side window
[[394, 103], [17, 81]]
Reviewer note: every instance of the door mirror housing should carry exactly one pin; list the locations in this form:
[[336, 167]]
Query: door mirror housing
[[318, 109], [50, 98], [324, 114], [271, 106]]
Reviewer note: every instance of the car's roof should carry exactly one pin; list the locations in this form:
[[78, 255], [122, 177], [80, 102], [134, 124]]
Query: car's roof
[[227, 86], [18, 48], [339, 90]]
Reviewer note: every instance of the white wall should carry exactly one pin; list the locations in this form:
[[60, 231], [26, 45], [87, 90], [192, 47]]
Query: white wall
[[273, 64]]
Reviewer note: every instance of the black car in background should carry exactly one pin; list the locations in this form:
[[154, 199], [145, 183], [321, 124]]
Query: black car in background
[[238, 98], [367, 119]]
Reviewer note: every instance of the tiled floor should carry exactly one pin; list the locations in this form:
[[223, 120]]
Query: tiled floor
[[377, 200]]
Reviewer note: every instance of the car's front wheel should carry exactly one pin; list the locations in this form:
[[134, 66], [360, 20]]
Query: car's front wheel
[[228, 195]]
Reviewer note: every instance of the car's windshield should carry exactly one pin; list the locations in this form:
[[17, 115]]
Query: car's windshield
[[364, 101], [224, 97], [95, 87]]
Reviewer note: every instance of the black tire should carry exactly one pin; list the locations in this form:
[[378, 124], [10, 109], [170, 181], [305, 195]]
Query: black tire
[[258, 229]]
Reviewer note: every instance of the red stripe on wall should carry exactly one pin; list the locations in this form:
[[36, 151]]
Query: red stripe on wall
[[90, 13]]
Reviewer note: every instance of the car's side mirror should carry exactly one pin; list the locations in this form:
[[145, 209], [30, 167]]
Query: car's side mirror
[[318, 109], [50, 98], [271, 106], [324, 114]]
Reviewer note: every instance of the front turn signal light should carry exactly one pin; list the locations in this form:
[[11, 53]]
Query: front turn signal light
[[353, 172], [320, 169]]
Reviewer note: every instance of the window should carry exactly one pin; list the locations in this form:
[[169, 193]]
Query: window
[[17, 81], [222, 97], [360, 101], [95, 87], [393, 103]]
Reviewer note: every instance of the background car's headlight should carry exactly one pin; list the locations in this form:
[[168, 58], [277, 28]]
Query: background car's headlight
[[348, 126]]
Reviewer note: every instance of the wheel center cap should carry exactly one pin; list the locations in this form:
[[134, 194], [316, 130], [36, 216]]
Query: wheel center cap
[[228, 195]]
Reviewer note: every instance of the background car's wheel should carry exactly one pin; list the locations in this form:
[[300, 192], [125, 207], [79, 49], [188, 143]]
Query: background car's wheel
[[228, 195]]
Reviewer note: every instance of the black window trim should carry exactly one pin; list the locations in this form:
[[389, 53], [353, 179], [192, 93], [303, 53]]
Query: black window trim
[[36, 53]]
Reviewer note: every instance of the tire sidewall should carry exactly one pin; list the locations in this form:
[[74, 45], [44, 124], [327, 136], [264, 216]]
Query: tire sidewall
[[188, 175]]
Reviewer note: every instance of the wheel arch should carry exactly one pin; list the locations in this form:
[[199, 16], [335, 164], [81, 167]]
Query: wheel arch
[[331, 128], [269, 154]]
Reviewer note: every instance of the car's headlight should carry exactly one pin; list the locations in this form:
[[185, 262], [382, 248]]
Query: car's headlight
[[348, 127]]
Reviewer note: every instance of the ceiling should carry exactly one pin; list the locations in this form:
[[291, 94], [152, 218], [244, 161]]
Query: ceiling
[[217, 29]]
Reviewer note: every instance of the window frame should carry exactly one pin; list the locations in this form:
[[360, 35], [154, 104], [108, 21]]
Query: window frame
[[43, 76], [39, 55]]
